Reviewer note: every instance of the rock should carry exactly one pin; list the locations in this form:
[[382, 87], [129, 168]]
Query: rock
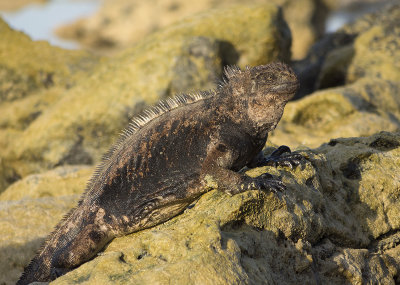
[[360, 109], [325, 228], [369, 47], [307, 26], [375, 51], [365, 56], [119, 24], [337, 222], [76, 123], [44, 66], [60, 181], [14, 5], [29, 210], [24, 225], [35, 76]]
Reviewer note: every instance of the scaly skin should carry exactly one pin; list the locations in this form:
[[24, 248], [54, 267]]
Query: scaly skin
[[165, 159]]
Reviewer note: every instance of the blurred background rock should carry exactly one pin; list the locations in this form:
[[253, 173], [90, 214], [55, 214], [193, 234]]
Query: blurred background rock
[[118, 24], [6, 5]]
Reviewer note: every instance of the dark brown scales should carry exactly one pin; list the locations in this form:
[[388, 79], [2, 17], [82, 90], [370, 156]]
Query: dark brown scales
[[167, 158]]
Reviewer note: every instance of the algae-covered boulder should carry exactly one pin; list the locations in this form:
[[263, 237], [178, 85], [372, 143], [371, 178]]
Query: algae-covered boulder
[[359, 109], [361, 65], [82, 120], [34, 77], [336, 223], [120, 23], [60, 181], [24, 225], [27, 66], [374, 52], [29, 210], [368, 47]]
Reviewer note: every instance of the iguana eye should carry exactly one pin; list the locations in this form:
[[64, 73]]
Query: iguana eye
[[266, 77]]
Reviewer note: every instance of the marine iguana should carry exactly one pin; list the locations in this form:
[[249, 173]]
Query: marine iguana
[[165, 160]]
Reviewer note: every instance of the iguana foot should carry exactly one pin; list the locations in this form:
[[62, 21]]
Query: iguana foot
[[277, 158], [263, 182]]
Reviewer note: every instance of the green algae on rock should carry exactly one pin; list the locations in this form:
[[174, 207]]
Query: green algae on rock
[[323, 227], [366, 48], [24, 225], [363, 108], [29, 210], [364, 55], [34, 76], [107, 31], [60, 181], [374, 51], [27, 66]]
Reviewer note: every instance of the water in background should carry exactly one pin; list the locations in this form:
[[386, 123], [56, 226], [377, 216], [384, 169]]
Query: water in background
[[348, 14], [39, 20]]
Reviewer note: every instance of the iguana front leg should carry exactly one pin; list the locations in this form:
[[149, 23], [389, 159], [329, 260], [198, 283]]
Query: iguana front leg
[[216, 169], [234, 183]]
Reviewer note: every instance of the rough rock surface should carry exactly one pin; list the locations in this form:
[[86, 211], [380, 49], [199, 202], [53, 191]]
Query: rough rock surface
[[24, 224], [120, 23], [360, 64], [60, 181], [34, 77], [27, 66], [362, 108], [73, 123], [336, 223], [374, 52], [368, 47]]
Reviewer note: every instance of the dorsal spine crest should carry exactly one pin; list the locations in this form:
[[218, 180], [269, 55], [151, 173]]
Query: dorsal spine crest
[[143, 119]]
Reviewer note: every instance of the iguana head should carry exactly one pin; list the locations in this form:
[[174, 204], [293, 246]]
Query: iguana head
[[271, 87], [275, 80], [263, 91]]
